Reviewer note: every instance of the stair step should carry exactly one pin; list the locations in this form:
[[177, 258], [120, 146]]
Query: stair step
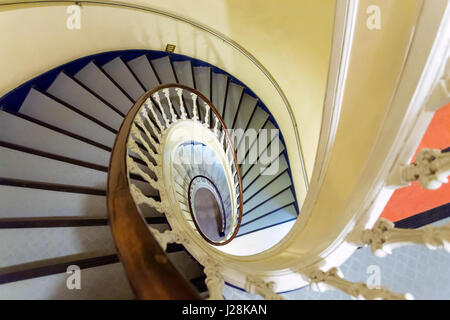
[[120, 72], [164, 70], [47, 203], [50, 222], [25, 166], [189, 268], [107, 281], [267, 147], [202, 77], [219, 90], [102, 84], [35, 246], [144, 72], [257, 121], [268, 220], [183, 70], [234, 96], [28, 134], [256, 180], [275, 185], [41, 107], [261, 205], [67, 90], [248, 105]]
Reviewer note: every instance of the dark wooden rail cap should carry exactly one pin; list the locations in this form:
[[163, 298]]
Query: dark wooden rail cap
[[149, 271]]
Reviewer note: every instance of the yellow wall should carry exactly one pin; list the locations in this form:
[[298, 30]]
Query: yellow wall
[[292, 40], [376, 63]]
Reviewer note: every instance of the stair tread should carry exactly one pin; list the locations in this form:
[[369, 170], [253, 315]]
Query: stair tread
[[21, 246], [118, 70], [257, 121], [264, 192], [261, 208], [265, 150], [93, 77], [234, 95], [143, 70], [69, 91], [256, 179], [280, 216], [25, 166], [102, 282], [26, 133], [202, 77], [42, 107], [219, 88], [47, 203], [248, 104], [164, 70], [183, 70]]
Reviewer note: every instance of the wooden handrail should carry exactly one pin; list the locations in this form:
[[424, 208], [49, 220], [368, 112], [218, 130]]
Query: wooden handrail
[[235, 158], [150, 273], [194, 219]]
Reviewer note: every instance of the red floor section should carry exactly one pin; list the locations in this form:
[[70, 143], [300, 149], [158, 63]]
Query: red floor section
[[412, 200]]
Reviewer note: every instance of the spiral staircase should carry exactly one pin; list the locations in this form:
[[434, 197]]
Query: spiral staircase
[[153, 175], [57, 133]]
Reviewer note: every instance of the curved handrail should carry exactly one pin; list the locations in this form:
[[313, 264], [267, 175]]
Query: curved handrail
[[151, 274], [230, 142], [224, 218], [200, 26]]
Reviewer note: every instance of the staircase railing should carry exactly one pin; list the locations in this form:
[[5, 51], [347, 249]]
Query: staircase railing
[[139, 145]]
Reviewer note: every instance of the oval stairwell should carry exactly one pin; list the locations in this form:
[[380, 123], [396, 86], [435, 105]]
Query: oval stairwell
[[57, 132]]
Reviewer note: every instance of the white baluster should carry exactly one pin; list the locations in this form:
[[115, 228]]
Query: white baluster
[[166, 92], [216, 126], [138, 120], [228, 153], [180, 96], [169, 236], [431, 169], [144, 114], [134, 168], [135, 148], [207, 113], [137, 134], [214, 278], [384, 237], [222, 139], [333, 279], [163, 113], [152, 110], [264, 289], [140, 198], [195, 107]]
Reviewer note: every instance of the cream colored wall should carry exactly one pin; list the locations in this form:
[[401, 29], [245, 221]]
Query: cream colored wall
[[292, 40], [376, 64]]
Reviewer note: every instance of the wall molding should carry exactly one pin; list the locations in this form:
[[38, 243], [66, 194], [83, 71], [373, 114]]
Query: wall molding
[[342, 40]]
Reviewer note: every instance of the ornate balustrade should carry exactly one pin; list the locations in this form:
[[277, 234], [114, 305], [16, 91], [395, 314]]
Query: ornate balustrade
[[139, 149], [431, 169]]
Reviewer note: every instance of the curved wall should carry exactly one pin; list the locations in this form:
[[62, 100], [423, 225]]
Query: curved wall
[[291, 40]]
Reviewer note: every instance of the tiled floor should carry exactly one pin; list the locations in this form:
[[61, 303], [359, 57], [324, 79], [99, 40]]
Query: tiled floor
[[415, 269]]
